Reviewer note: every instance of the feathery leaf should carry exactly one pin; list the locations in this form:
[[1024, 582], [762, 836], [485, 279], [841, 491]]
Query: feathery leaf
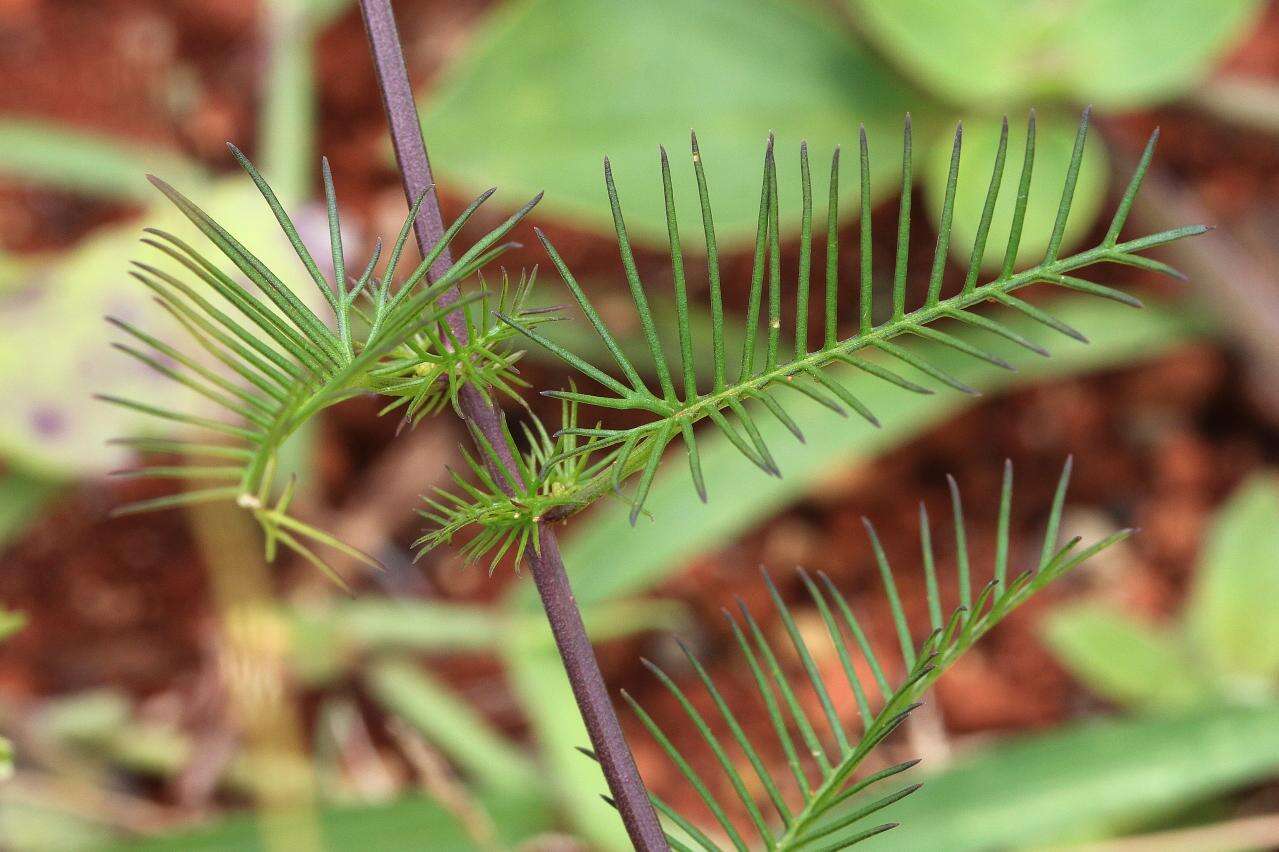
[[276, 363], [835, 811], [872, 347]]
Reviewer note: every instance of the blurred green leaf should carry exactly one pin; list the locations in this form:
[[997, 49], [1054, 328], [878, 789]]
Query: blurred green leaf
[[286, 119], [21, 499], [85, 717], [13, 270], [615, 619], [681, 527], [550, 86], [1129, 663], [325, 638], [373, 624], [54, 155], [452, 726], [405, 824], [100, 726], [27, 825], [537, 676], [1077, 783], [1231, 612], [10, 623], [1114, 53], [1054, 141], [320, 12]]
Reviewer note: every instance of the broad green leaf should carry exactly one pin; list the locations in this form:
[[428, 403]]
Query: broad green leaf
[[1231, 612], [1054, 141], [1085, 781], [575, 781], [54, 155], [452, 726], [551, 86], [57, 350], [404, 824], [1129, 663], [681, 528], [1113, 53]]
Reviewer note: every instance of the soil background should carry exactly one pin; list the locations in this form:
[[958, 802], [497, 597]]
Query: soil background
[[127, 603]]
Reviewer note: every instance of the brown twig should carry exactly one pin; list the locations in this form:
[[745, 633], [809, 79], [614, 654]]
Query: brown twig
[[624, 782]]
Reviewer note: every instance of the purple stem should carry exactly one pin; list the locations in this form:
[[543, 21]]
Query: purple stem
[[616, 760]]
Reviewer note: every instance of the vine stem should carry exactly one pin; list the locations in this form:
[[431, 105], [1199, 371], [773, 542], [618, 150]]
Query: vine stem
[[614, 755]]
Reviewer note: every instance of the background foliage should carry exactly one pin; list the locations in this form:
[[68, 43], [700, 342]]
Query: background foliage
[[433, 704]]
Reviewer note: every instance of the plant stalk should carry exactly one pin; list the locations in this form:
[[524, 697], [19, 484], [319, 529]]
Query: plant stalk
[[618, 764]]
